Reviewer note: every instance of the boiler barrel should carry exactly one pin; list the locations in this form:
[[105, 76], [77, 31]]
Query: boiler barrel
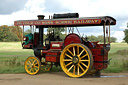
[[66, 15]]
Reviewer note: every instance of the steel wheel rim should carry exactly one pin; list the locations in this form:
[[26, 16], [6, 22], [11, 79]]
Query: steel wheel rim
[[46, 66], [81, 67], [32, 65]]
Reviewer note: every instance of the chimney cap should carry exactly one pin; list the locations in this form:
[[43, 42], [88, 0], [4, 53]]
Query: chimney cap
[[40, 17]]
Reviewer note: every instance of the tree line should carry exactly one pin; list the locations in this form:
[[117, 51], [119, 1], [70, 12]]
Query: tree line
[[126, 35], [10, 33], [14, 33], [100, 38]]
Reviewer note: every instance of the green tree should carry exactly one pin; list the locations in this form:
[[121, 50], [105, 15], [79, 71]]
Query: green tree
[[113, 39], [11, 37], [6, 35], [92, 38], [126, 35], [17, 31], [27, 31], [3, 32], [101, 38], [57, 32]]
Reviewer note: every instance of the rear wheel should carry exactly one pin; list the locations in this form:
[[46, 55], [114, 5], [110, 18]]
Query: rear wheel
[[76, 60], [32, 65]]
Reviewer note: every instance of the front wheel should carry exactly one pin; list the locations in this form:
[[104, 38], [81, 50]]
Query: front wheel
[[76, 60], [32, 65]]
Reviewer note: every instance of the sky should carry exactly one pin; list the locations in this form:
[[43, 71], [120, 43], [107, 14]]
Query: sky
[[11, 10]]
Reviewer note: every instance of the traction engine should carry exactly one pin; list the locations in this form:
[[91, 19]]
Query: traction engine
[[75, 54]]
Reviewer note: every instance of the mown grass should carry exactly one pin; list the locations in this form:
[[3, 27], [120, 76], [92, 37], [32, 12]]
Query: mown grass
[[12, 58], [119, 56], [11, 65], [118, 46]]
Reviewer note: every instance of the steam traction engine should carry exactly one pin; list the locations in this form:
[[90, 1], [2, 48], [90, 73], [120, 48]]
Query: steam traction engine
[[76, 55]]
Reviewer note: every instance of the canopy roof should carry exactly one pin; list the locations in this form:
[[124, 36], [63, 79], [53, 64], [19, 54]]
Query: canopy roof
[[68, 22]]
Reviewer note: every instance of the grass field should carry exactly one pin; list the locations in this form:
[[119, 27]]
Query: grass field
[[119, 56], [12, 58]]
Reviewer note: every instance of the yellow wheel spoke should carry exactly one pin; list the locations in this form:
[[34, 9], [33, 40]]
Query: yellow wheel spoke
[[68, 64], [70, 68], [68, 56], [29, 62], [34, 69], [67, 60], [48, 68], [74, 51], [36, 66], [77, 50], [30, 69], [84, 65], [74, 69], [84, 56], [81, 52], [81, 68], [70, 52], [78, 70], [34, 61], [84, 60]]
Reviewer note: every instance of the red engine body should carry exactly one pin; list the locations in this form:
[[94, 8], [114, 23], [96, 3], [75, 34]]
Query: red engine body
[[100, 54]]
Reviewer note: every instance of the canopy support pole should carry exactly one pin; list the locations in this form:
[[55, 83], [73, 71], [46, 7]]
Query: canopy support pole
[[65, 30], [23, 32], [104, 33], [72, 29], [109, 33], [33, 28], [104, 43]]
